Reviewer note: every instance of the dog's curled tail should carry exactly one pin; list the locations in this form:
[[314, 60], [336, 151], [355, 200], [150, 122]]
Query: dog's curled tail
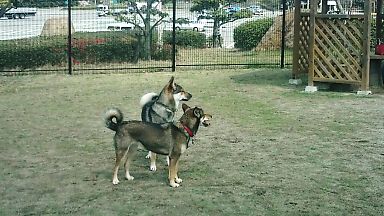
[[110, 114], [148, 98]]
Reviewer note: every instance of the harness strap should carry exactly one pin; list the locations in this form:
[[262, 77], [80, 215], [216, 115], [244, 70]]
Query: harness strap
[[167, 107]]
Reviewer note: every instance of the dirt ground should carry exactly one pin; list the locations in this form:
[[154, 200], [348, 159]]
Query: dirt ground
[[271, 149]]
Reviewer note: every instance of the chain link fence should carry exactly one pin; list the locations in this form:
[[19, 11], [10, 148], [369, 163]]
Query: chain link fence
[[117, 36]]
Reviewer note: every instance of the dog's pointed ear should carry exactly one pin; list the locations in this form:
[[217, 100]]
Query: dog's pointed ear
[[198, 112], [171, 83], [185, 107]]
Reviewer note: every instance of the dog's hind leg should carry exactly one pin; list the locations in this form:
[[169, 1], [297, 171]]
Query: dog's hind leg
[[153, 167], [131, 153], [120, 153]]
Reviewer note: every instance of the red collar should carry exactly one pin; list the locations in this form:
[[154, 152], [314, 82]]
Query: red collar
[[188, 130]]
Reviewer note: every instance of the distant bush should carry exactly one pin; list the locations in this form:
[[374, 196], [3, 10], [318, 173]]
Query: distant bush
[[187, 39], [162, 52], [249, 34], [105, 49], [210, 41], [86, 48], [32, 53]]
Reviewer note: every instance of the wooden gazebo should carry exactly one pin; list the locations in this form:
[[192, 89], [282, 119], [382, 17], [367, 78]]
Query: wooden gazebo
[[334, 48]]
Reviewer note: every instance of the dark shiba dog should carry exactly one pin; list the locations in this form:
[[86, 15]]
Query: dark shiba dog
[[169, 139], [161, 108]]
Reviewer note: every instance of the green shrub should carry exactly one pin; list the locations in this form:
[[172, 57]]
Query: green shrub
[[86, 48], [31, 53], [162, 52], [189, 39], [249, 34], [96, 50]]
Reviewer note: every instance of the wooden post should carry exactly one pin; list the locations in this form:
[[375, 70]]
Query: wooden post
[[366, 45], [296, 39], [311, 62], [379, 20]]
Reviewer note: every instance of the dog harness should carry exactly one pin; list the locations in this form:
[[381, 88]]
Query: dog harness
[[167, 107]]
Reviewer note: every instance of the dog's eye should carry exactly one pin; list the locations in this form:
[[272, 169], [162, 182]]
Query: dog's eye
[[177, 89]]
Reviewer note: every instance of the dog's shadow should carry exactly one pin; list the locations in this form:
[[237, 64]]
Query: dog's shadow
[[272, 77], [140, 170]]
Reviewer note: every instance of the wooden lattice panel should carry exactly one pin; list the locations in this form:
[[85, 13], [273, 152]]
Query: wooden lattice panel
[[337, 50], [303, 44]]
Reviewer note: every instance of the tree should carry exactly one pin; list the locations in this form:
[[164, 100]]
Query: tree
[[215, 10], [5, 5], [145, 18]]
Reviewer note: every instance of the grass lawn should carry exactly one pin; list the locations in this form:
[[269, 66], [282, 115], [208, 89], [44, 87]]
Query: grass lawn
[[271, 149]]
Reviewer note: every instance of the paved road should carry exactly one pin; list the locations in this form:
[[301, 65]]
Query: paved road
[[87, 21], [83, 20]]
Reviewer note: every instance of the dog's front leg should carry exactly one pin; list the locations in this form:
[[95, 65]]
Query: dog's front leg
[[177, 179], [173, 172]]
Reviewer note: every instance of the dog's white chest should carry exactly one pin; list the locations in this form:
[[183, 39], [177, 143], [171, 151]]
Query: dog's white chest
[[183, 148]]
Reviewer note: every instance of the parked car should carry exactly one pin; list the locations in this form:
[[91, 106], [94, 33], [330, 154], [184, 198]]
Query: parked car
[[102, 10], [233, 9], [20, 13], [255, 9], [207, 23], [122, 26], [186, 24]]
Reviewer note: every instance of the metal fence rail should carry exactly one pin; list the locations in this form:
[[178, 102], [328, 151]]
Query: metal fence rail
[[70, 40]]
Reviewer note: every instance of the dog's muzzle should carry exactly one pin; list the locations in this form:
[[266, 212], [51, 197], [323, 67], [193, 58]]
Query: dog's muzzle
[[186, 96], [206, 120]]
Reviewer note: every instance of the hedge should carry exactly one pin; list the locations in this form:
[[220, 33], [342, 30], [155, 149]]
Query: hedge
[[86, 48], [89, 48], [249, 34], [186, 39]]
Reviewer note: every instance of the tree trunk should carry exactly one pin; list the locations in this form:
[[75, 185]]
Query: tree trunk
[[216, 34], [340, 7], [5, 8], [147, 34]]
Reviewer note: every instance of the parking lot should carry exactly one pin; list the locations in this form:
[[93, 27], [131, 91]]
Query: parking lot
[[88, 21]]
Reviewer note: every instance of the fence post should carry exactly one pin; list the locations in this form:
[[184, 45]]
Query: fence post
[[174, 36], [282, 54], [69, 42]]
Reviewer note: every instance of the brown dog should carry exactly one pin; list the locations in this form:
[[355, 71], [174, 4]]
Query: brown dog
[[167, 139], [161, 108]]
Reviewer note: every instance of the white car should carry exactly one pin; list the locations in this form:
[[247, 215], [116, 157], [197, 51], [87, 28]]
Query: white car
[[191, 26], [207, 23], [185, 24], [102, 10], [123, 26]]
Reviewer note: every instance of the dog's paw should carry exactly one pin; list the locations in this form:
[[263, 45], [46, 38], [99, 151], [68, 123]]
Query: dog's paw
[[174, 184], [148, 156], [129, 177], [178, 180], [153, 168], [115, 181]]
